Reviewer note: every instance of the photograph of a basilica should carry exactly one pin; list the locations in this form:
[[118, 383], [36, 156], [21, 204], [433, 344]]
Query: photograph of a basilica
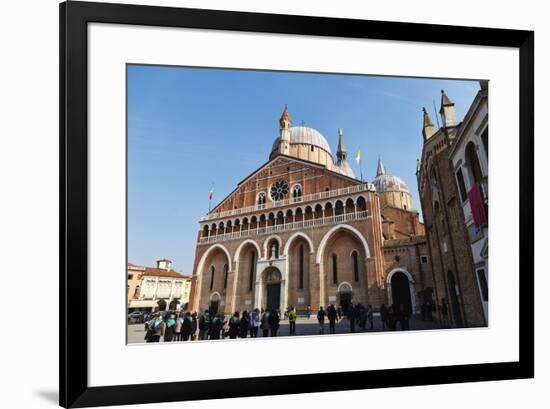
[[355, 202]]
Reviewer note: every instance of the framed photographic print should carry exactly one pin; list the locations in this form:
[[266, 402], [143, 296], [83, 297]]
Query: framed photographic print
[[310, 193]]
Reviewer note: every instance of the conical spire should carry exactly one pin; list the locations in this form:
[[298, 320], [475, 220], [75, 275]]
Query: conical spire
[[428, 128], [380, 168], [284, 132], [447, 111], [342, 157], [285, 118], [341, 153], [427, 119], [445, 100]]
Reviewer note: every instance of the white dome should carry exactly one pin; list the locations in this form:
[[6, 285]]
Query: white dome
[[390, 183], [305, 135]]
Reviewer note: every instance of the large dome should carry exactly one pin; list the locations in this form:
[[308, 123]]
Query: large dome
[[305, 135], [390, 183]]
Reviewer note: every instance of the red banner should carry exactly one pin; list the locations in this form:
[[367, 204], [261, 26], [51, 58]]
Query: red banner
[[477, 205]]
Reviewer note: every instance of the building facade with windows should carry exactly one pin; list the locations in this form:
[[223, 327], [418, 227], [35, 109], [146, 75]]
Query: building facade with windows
[[303, 231], [157, 288], [470, 163], [447, 177]]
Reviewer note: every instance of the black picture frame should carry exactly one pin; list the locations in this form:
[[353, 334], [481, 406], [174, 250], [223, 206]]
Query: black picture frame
[[73, 379]]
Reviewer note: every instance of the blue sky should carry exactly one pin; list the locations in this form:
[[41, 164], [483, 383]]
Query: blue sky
[[191, 127]]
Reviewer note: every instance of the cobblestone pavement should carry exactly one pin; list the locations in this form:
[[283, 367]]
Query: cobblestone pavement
[[305, 326]]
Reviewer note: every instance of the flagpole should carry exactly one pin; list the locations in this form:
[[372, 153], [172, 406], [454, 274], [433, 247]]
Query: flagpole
[[358, 159]]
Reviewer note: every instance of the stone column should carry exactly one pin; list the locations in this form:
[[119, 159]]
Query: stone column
[[258, 289], [234, 285], [316, 285], [172, 289], [375, 291], [282, 302], [156, 288]]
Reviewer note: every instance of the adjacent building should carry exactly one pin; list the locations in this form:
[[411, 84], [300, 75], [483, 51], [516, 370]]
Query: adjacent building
[[470, 163], [452, 182], [157, 288]]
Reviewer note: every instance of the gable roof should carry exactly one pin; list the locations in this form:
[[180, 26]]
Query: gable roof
[[272, 161]]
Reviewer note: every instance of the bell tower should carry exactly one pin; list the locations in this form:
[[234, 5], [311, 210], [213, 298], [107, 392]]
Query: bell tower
[[341, 154], [284, 132]]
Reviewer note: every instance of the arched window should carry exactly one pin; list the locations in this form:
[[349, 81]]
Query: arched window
[[355, 266], [301, 276], [297, 193], [361, 204], [473, 162], [433, 177], [251, 273], [261, 200], [461, 185], [485, 140], [212, 272], [225, 275], [334, 269]]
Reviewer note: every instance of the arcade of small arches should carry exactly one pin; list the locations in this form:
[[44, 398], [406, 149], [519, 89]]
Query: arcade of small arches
[[352, 205]]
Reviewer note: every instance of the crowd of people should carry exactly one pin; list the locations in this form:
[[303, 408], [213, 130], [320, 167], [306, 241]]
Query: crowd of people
[[174, 326]]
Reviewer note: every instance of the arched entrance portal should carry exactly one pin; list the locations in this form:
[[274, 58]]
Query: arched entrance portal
[[214, 305], [400, 290], [272, 280], [174, 304], [344, 295], [161, 305]]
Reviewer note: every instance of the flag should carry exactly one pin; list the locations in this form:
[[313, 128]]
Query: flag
[[358, 155], [210, 196], [477, 205]]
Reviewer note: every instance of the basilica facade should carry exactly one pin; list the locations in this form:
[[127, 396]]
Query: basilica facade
[[302, 230]]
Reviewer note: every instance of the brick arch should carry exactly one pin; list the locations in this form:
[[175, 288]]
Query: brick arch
[[295, 236], [208, 251], [200, 268], [267, 240], [411, 286], [335, 229], [344, 284], [215, 296], [244, 243], [401, 270]]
